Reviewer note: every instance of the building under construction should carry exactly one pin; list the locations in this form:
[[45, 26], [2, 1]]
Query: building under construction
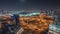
[[32, 23]]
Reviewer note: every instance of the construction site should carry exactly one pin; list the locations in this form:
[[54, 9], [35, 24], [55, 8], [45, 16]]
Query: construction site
[[35, 22]]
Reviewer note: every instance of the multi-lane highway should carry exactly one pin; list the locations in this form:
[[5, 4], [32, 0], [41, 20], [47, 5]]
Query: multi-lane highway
[[50, 31]]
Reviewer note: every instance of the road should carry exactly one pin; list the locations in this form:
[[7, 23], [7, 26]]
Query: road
[[50, 31]]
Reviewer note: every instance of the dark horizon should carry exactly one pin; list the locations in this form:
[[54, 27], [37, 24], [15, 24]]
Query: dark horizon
[[29, 4]]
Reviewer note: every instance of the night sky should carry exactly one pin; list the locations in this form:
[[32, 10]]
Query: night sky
[[29, 4]]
